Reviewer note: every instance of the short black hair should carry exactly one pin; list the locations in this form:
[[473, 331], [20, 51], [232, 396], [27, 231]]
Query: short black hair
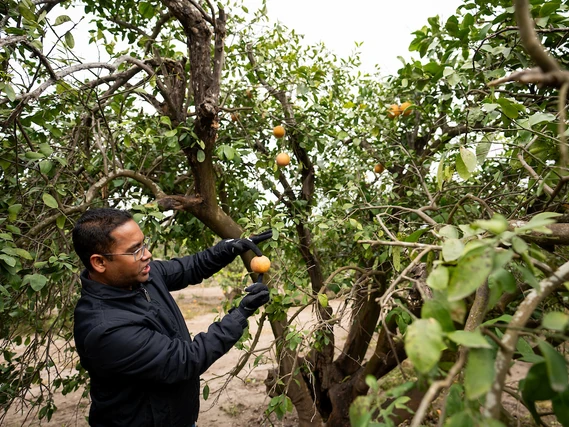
[[92, 232]]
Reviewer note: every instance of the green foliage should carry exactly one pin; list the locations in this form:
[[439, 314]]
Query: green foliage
[[460, 171]]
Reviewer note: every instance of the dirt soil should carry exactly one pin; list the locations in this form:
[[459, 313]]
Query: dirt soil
[[241, 402]]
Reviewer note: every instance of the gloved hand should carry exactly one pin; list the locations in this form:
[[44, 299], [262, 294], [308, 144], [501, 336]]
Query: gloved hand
[[258, 295], [240, 246]]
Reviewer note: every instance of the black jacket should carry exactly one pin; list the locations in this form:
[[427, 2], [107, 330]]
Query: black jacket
[[143, 365]]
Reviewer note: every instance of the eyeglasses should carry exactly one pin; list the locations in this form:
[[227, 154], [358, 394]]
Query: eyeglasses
[[137, 254]]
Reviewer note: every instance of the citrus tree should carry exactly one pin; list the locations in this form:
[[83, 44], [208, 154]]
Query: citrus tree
[[430, 203]]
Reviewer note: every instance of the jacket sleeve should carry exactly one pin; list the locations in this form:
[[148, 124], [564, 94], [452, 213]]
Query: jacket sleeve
[[178, 273], [137, 351]]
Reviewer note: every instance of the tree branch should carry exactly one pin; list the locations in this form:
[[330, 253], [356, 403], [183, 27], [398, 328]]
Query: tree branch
[[493, 405]]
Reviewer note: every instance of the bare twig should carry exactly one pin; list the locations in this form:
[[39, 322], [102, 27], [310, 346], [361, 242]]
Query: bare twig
[[562, 116], [418, 212], [435, 388], [402, 244]]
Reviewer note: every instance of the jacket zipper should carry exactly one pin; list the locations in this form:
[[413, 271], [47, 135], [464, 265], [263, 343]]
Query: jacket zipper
[[146, 294]]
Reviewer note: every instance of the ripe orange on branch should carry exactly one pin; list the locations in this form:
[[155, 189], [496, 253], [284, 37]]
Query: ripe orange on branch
[[279, 131], [283, 159], [406, 108], [394, 111], [378, 168], [260, 264]]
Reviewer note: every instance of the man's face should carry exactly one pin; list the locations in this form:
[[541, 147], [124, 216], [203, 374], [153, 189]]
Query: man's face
[[122, 270]]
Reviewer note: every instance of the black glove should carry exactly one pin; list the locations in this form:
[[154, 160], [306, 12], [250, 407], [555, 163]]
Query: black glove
[[240, 246], [258, 295]]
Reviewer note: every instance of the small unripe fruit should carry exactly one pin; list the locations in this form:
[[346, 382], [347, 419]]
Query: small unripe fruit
[[279, 131], [260, 264], [283, 159]]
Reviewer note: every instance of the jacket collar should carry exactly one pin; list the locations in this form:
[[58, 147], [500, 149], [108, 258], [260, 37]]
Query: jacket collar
[[101, 291]]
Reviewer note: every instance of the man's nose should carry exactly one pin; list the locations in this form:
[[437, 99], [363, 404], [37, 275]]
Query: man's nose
[[147, 254]]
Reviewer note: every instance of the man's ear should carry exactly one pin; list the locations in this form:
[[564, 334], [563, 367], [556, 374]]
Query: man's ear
[[99, 263]]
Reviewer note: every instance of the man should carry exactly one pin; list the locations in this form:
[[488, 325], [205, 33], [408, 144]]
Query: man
[[129, 332]]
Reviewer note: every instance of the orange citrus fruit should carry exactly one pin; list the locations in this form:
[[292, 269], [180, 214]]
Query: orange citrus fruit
[[393, 111], [378, 168], [279, 131], [260, 264], [406, 108], [283, 159]]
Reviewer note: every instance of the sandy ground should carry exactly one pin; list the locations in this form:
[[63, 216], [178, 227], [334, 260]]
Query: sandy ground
[[243, 400]]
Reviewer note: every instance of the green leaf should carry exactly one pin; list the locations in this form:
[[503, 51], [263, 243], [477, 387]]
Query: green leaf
[[49, 200], [26, 12], [504, 318], [69, 40], [479, 373], [482, 150], [508, 108], [146, 10], [360, 412], [534, 388], [323, 300], [452, 249], [469, 339], [497, 225], [13, 211], [228, 152], [61, 19], [201, 156], [9, 91], [449, 231], [32, 155], [396, 252], [45, 166], [548, 8], [455, 400], [470, 273], [414, 237], [170, 133], [60, 222], [555, 320], [539, 221], [461, 168], [36, 281], [22, 253], [439, 277], [10, 262], [205, 392], [469, 159], [462, 419], [440, 311], [502, 279], [537, 118], [561, 408], [556, 367], [424, 344], [519, 246]]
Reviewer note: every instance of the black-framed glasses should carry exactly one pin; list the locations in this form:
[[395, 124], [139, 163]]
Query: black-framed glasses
[[137, 254]]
